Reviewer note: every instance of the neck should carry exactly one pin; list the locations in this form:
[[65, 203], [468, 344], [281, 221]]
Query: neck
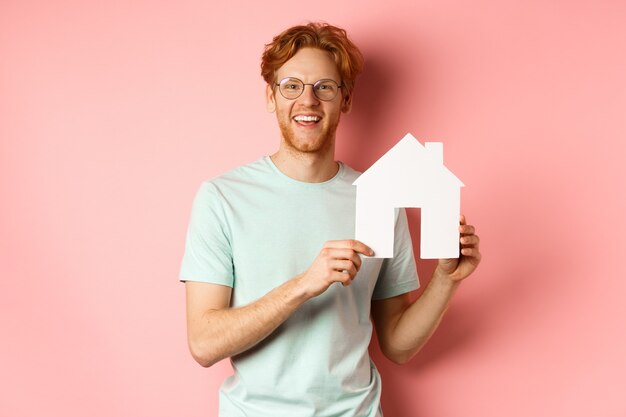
[[317, 166]]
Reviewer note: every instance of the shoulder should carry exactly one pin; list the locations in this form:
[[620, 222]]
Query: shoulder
[[349, 174], [239, 177], [250, 171]]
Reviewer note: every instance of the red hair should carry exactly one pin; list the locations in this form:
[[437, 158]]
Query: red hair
[[314, 35]]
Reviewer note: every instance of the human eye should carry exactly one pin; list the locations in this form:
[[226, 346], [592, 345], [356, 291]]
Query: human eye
[[291, 85], [326, 86]]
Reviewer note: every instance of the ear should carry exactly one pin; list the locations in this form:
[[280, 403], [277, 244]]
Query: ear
[[270, 100], [346, 105]]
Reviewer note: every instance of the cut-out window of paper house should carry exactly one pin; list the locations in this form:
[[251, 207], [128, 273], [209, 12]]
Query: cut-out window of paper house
[[410, 175]]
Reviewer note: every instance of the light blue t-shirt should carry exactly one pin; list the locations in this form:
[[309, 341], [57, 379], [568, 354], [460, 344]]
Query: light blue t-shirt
[[254, 228]]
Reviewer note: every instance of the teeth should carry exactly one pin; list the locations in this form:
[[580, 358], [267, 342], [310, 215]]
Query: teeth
[[306, 118]]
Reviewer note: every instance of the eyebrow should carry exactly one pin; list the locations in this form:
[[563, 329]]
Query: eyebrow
[[319, 79]]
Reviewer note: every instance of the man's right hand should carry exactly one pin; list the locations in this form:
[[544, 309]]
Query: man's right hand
[[338, 261]]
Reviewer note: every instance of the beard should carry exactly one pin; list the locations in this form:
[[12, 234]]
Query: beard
[[324, 140]]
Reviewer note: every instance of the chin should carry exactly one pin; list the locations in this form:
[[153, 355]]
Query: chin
[[319, 143], [309, 146]]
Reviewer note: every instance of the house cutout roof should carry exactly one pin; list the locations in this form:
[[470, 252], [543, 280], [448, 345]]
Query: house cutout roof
[[410, 158], [410, 175]]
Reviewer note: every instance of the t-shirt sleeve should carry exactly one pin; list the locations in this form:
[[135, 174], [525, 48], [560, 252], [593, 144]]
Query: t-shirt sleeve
[[398, 275], [208, 254]]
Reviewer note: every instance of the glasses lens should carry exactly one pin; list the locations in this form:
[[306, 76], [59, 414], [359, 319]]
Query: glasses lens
[[291, 88], [326, 89]]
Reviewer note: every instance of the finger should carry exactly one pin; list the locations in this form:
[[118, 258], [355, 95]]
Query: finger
[[466, 229], [337, 253], [462, 219], [355, 259], [470, 240], [471, 253], [333, 253], [348, 254], [353, 244], [345, 279], [344, 266]]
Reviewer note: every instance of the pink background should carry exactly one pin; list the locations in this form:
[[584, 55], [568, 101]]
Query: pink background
[[111, 115]]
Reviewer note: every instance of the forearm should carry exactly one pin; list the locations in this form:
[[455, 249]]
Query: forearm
[[420, 320], [226, 332]]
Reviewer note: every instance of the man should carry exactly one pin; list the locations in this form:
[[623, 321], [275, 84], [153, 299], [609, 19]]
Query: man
[[270, 242]]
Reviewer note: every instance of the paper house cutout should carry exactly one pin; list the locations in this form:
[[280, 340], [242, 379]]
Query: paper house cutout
[[410, 175]]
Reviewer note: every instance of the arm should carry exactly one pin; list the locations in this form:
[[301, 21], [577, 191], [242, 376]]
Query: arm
[[404, 327], [216, 331]]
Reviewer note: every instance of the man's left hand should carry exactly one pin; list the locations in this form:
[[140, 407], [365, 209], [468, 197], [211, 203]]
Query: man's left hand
[[460, 268]]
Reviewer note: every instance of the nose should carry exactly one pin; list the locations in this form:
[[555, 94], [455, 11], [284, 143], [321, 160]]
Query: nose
[[308, 96]]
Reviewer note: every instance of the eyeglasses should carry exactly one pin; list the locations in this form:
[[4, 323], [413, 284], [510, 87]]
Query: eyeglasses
[[292, 88]]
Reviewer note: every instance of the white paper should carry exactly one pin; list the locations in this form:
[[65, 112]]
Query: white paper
[[410, 175]]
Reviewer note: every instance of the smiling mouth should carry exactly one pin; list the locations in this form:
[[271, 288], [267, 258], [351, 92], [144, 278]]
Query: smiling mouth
[[306, 120]]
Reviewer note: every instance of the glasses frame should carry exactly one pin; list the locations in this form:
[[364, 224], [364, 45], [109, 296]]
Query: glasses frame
[[339, 86]]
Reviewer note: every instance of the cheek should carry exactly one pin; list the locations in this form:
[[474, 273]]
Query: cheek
[[282, 107], [334, 112]]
